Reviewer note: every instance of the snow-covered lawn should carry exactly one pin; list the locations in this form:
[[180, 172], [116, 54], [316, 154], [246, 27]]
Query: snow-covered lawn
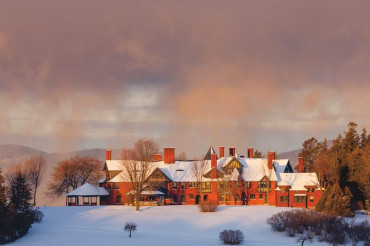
[[168, 225]]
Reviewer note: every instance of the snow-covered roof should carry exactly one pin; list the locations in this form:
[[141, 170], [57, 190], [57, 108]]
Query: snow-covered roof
[[88, 189], [114, 165], [280, 165], [254, 169], [298, 181]]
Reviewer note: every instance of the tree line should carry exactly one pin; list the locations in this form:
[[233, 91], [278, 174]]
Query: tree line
[[343, 170], [16, 213]]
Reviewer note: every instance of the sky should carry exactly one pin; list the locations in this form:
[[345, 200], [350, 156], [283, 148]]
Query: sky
[[187, 74]]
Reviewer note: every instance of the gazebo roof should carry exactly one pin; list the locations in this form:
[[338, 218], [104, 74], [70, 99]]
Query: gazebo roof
[[88, 189]]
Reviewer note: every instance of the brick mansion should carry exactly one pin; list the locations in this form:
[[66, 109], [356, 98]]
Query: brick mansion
[[230, 179]]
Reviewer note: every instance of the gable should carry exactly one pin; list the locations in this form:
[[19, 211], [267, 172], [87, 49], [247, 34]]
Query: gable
[[219, 174], [288, 168], [234, 163], [158, 176]]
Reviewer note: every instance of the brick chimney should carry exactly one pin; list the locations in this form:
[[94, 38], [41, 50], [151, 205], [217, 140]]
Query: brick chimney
[[250, 152], [300, 164], [232, 151], [269, 160], [221, 151], [169, 155], [214, 166], [108, 155], [273, 153], [157, 157]]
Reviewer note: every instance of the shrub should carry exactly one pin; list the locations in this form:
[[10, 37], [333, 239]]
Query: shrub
[[362, 232], [331, 229], [37, 216], [208, 206], [277, 222], [232, 237]]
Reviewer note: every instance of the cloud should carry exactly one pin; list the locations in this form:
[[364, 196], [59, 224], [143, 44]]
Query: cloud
[[263, 74]]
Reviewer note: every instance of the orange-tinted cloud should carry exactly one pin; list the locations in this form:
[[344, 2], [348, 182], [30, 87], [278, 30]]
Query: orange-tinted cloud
[[189, 74]]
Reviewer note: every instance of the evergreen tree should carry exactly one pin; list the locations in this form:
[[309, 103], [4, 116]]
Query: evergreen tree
[[3, 210], [2, 191], [336, 201], [351, 139], [363, 138], [310, 150], [19, 191]]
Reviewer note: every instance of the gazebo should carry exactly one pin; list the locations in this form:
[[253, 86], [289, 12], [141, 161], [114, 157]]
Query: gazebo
[[89, 193]]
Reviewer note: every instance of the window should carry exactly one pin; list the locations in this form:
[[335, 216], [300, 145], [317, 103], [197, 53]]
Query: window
[[264, 185], [175, 198], [116, 186], [174, 185], [85, 200], [284, 199], [94, 199], [183, 198], [299, 199], [183, 186], [253, 196], [311, 198], [192, 185], [282, 190], [118, 199], [221, 186], [221, 198], [260, 196], [191, 196], [248, 184], [313, 190], [206, 187]]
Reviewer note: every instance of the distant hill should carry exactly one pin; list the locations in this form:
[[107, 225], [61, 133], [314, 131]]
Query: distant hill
[[291, 155]]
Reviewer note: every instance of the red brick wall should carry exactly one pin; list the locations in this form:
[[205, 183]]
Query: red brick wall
[[273, 197]]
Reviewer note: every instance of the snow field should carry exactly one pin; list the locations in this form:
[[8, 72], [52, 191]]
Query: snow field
[[166, 225]]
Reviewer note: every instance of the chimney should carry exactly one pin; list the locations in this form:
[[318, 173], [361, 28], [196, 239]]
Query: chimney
[[273, 153], [169, 155], [232, 151], [157, 157], [213, 166], [108, 155], [269, 160], [250, 152], [222, 151], [300, 164]]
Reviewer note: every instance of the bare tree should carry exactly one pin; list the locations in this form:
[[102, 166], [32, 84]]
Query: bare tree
[[198, 170], [137, 166], [73, 173], [35, 168], [130, 227], [305, 237]]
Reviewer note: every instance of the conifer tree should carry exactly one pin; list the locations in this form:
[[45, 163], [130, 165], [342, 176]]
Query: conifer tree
[[363, 138], [310, 150], [19, 191]]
